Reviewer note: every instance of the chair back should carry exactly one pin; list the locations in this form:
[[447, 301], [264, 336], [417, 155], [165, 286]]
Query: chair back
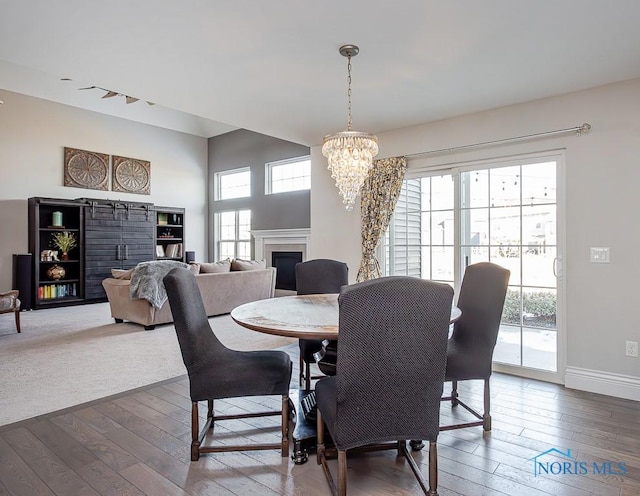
[[391, 360], [481, 299], [321, 276], [198, 343]]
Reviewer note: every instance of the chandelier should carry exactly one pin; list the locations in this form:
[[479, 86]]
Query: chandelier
[[349, 153]]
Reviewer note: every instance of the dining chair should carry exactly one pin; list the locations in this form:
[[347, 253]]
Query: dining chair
[[9, 302], [319, 276], [470, 348], [217, 372], [392, 358]]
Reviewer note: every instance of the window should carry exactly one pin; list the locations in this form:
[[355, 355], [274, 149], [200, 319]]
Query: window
[[232, 184], [233, 234], [288, 175]]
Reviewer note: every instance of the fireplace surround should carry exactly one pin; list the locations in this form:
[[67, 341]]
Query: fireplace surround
[[281, 240]]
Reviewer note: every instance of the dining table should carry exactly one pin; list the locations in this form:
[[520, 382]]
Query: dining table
[[313, 316]]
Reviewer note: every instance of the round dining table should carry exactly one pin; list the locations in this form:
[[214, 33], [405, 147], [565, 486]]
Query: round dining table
[[303, 317]]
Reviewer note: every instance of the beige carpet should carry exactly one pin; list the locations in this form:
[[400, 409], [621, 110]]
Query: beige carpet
[[67, 356]]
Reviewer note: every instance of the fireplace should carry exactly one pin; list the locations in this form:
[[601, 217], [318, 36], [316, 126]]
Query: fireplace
[[285, 264]]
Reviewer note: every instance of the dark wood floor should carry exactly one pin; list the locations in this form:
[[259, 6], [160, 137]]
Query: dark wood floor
[[137, 443]]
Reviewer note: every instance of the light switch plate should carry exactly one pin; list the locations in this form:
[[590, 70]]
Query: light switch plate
[[600, 254]]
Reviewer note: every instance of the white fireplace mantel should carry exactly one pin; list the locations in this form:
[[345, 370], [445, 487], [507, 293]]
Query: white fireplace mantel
[[263, 238]]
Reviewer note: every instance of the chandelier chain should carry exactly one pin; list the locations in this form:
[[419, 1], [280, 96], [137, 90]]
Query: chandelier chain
[[349, 123]]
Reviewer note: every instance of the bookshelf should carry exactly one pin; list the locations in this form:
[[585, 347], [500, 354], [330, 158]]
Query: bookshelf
[[170, 233], [56, 281]]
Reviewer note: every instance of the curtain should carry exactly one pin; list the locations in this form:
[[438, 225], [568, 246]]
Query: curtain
[[379, 196]]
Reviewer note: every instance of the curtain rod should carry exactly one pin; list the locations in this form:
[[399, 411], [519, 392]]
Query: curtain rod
[[578, 130]]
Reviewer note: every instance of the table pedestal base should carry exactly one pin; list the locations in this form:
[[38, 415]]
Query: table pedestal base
[[304, 433]]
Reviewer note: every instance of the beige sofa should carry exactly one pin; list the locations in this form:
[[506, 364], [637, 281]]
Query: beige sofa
[[221, 293]]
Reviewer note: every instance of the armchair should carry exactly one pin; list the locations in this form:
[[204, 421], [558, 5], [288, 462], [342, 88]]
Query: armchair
[[9, 302]]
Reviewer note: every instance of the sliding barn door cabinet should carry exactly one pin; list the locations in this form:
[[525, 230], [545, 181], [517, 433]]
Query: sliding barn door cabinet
[[110, 234]]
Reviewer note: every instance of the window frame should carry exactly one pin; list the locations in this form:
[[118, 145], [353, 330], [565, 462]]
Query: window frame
[[236, 240], [217, 186], [268, 174]]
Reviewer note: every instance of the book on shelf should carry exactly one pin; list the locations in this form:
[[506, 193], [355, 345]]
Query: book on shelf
[[173, 250], [51, 291]]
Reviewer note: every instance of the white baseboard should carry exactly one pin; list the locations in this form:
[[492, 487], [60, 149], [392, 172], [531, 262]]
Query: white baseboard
[[594, 381]]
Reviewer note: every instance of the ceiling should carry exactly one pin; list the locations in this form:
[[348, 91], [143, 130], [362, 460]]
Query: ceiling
[[211, 66]]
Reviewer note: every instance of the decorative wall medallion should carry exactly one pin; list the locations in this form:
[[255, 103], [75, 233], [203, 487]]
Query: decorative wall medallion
[[84, 169], [131, 175]]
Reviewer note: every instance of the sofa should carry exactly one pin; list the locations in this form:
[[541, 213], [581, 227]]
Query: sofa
[[221, 292]]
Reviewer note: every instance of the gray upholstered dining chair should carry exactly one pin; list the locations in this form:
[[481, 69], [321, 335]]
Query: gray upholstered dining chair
[[392, 349], [470, 348], [217, 372], [319, 276], [9, 302]]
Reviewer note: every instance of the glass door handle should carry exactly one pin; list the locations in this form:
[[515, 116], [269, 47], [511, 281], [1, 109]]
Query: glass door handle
[[557, 267]]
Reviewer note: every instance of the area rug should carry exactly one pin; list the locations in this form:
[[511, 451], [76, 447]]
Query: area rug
[[67, 356]]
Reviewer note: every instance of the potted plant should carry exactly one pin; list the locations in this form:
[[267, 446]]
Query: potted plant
[[65, 241]]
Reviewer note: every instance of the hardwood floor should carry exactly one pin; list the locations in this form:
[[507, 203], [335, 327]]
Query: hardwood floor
[[137, 443]]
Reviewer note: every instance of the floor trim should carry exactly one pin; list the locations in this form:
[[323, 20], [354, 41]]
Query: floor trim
[[595, 381]]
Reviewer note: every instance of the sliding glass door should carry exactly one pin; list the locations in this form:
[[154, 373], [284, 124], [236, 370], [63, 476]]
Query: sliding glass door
[[505, 213]]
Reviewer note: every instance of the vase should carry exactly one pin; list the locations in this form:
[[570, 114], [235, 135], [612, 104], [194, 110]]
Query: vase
[[65, 256], [56, 272]]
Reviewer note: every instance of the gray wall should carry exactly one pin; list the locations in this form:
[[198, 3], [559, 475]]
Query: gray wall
[[244, 148]]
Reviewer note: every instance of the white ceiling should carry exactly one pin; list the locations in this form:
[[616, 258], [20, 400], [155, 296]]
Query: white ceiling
[[273, 66]]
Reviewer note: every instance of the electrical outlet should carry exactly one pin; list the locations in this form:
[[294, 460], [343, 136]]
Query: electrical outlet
[[632, 349]]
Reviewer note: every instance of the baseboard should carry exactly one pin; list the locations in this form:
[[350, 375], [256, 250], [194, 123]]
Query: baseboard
[[594, 381]]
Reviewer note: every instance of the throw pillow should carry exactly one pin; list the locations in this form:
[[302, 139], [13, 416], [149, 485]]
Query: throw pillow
[[238, 264], [194, 267], [215, 268], [121, 274]]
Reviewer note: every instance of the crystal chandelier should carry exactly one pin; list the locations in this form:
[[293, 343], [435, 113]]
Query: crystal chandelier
[[349, 153]]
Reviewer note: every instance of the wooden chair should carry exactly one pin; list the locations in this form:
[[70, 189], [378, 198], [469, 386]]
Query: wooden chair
[[9, 302], [217, 372], [470, 348], [392, 350]]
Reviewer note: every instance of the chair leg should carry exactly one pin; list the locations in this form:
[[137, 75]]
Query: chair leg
[[433, 469], [454, 393], [301, 376], [195, 431], [486, 418], [210, 413], [285, 425], [17, 312], [319, 438], [342, 473], [321, 457]]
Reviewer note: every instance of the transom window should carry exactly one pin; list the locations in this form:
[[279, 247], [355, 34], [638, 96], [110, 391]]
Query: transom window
[[233, 234], [234, 183], [288, 175]]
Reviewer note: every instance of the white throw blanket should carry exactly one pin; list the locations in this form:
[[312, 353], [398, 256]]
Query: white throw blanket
[[146, 280]]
